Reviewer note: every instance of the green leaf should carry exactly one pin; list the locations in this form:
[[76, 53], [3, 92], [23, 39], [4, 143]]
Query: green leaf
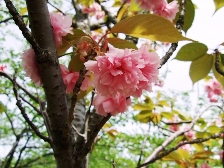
[[183, 116], [191, 52], [85, 2], [143, 107], [200, 68], [213, 129], [167, 115], [144, 116], [70, 40], [149, 26], [75, 64], [23, 11], [163, 103], [222, 58], [218, 76], [202, 154], [155, 118], [199, 147], [188, 16], [2, 107], [202, 134], [120, 43], [218, 4]]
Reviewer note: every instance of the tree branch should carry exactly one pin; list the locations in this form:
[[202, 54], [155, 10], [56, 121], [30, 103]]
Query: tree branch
[[8, 19], [20, 23], [195, 141], [217, 63], [21, 87], [25, 116], [87, 147], [172, 137], [179, 26]]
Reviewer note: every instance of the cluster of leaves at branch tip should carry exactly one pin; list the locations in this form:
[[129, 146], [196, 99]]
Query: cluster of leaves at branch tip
[[201, 62]]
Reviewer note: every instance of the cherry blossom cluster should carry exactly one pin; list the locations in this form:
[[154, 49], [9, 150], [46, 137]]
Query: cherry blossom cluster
[[160, 7], [120, 74], [61, 27], [94, 9], [214, 90]]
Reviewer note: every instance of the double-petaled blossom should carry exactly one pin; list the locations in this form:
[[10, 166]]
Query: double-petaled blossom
[[61, 26], [95, 9], [120, 74], [214, 89], [70, 79], [29, 65], [111, 104], [168, 11], [125, 71], [160, 7]]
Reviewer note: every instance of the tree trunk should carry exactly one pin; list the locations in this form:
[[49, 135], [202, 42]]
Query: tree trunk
[[57, 108]]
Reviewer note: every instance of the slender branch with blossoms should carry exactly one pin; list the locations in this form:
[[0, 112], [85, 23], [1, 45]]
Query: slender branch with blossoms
[[167, 152], [172, 137]]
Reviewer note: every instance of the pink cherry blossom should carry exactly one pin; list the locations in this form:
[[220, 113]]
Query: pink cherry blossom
[[214, 89], [125, 71], [220, 153], [61, 26], [29, 65], [151, 4], [95, 9], [2, 67], [205, 165], [190, 134], [186, 147], [70, 79], [168, 11], [111, 104]]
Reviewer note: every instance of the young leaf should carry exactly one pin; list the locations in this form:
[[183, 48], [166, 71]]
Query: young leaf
[[2, 107], [144, 116], [143, 107], [200, 68], [69, 40], [191, 52], [149, 26], [167, 115], [120, 43], [188, 16], [213, 129], [75, 64], [218, 76], [222, 58], [218, 4]]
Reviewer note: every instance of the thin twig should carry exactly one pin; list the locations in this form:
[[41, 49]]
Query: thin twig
[[173, 136], [21, 151], [22, 26], [21, 87], [36, 109], [143, 146], [179, 26], [25, 116], [217, 63], [56, 7], [195, 141], [8, 19]]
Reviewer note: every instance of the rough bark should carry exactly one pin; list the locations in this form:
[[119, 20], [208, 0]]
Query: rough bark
[[52, 83]]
